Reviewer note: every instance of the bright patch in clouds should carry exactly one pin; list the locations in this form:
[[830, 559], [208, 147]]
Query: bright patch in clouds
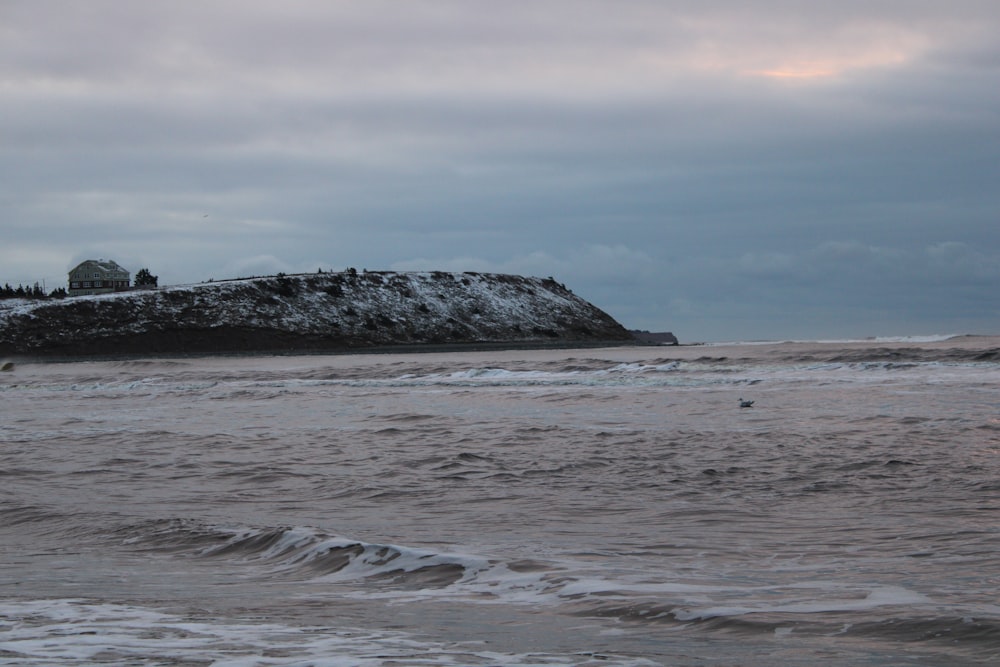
[[791, 52]]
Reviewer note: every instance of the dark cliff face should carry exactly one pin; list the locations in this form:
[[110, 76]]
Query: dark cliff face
[[326, 311], [655, 338]]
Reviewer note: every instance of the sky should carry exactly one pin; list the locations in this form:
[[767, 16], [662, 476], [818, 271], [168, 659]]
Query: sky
[[725, 170]]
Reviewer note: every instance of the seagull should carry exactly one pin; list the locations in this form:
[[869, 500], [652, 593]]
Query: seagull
[[745, 404]]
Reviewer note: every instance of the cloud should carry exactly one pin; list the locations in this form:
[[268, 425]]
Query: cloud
[[850, 263], [957, 262]]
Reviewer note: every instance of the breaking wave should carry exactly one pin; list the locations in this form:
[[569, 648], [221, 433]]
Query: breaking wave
[[74, 632], [814, 608]]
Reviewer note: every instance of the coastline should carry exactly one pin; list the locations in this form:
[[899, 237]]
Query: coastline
[[410, 349], [321, 313], [958, 348]]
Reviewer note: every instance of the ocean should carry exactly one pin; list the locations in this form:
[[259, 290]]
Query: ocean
[[612, 507]]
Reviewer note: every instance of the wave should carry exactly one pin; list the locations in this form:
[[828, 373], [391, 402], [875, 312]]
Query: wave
[[584, 586], [301, 552], [735, 367], [18, 515], [393, 572], [572, 374], [304, 553], [943, 634], [78, 632], [927, 338]]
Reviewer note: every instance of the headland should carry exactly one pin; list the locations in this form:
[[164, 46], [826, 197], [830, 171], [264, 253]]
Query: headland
[[331, 311]]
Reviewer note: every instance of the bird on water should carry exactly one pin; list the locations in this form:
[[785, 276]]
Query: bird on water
[[745, 404]]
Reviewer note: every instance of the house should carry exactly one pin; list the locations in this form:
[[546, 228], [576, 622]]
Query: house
[[98, 276]]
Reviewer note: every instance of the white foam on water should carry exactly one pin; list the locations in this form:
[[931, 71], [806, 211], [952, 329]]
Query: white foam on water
[[485, 581], [616, 373], [76, 632], [819, 601], [491, 581], [927, 338], [301, 545]]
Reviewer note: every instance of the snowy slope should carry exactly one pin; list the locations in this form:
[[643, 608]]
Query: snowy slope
[[310, 311]]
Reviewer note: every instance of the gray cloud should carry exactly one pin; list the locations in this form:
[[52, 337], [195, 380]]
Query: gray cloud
[[718, 169]]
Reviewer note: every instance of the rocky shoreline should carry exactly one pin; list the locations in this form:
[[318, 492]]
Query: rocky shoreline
[[323, 312]]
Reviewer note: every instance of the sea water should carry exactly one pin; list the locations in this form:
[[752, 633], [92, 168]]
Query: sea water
[[550, 507]]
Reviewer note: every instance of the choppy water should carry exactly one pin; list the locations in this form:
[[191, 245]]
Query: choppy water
[[571, 507]]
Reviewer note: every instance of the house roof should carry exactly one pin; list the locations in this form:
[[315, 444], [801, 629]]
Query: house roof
[[102, 264]]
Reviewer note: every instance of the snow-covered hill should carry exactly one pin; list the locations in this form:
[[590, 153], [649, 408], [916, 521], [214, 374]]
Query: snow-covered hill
[[323, 311]]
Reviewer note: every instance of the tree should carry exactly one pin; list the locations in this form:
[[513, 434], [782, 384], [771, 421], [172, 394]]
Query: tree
[[144, 277]]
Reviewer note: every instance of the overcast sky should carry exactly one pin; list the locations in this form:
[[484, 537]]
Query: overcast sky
[[725, 170]]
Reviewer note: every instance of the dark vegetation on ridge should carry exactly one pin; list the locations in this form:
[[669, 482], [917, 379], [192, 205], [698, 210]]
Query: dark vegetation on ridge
[[348, 310]]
